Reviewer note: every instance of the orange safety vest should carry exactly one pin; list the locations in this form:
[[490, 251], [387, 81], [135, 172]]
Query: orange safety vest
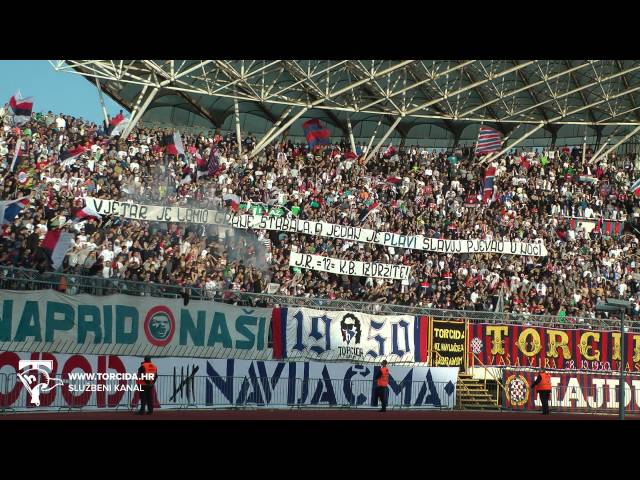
[[383, 380], [149, 368], [545, 382]]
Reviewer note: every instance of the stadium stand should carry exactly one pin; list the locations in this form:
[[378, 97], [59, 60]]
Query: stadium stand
[[584, 214]]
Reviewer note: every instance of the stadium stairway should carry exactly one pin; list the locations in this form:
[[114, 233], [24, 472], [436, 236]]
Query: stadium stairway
[[472, 394]]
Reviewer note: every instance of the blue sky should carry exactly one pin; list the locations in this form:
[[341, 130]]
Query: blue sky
[[56, 91]]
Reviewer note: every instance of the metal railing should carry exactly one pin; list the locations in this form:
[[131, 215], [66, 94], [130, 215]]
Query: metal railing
[[211, 392], [12, 278], [477, 363]]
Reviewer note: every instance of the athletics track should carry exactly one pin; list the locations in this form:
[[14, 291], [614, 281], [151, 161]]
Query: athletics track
[[266, 414]]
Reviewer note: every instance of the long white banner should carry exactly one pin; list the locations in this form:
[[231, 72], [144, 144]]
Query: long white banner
[[349, 267], [207, 383], [311, 334], [46, 320], [154, 213]]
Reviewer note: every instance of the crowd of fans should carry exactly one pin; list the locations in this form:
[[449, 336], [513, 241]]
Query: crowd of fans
[[416, 191]]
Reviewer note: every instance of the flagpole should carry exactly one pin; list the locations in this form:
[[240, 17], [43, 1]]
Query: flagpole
[[584, 145], [104, 108], [475, 150]]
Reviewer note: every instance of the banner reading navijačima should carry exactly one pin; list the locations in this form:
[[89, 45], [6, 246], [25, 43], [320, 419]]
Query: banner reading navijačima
[[572, 349], [206, 383]]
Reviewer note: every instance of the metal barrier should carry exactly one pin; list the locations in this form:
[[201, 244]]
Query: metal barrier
[[225, 393], [25, 279], [477, 363]]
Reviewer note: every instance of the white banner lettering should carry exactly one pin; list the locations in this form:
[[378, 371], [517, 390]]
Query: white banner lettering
[[153, 213], [46, 320], [206, 383], [341, 335], [349, 267]]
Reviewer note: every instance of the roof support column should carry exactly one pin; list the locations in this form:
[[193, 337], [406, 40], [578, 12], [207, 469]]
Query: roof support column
[[273, 128], [238, 139], [138, 115], [351, 139], [622, 140], [584, 144], [384, 137], [518, 141], [104, 108], [597, 154], [375, 132], [269, 138], [598, 135]]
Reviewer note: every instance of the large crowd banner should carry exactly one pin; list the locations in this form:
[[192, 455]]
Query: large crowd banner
[[563, 349], [156, 213], [571, 391], [98, 382], [349, 267], [310, 334], [447, 341], [46, 320]]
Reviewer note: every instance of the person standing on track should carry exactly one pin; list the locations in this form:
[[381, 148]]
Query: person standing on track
[[150, 372], [382, 385], [544, 389]]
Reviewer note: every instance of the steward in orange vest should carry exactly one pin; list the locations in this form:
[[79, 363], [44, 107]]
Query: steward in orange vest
[[544, 389], [150, 372], [382, 379]]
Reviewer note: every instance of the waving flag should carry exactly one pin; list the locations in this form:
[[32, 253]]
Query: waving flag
[[25, 177], [635, 188], [174, 144], [373, 208], [57, 243], [86, 213], [488, 190], [213, 161], [316, 134], [68, 157], [116, 130], [9, 210], [22, 108], [489, 140], [388, 153], [115, 121]]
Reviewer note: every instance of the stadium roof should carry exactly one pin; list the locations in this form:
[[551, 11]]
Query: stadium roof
[[518, 97]]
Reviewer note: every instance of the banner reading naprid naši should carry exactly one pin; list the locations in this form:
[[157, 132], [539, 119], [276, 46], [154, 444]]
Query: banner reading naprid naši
[[46, 320]]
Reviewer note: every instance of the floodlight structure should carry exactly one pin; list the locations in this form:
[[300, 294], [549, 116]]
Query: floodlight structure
[[613, 305]]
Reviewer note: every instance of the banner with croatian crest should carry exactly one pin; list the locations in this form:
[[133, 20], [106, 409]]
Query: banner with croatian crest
[[570, 391]]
